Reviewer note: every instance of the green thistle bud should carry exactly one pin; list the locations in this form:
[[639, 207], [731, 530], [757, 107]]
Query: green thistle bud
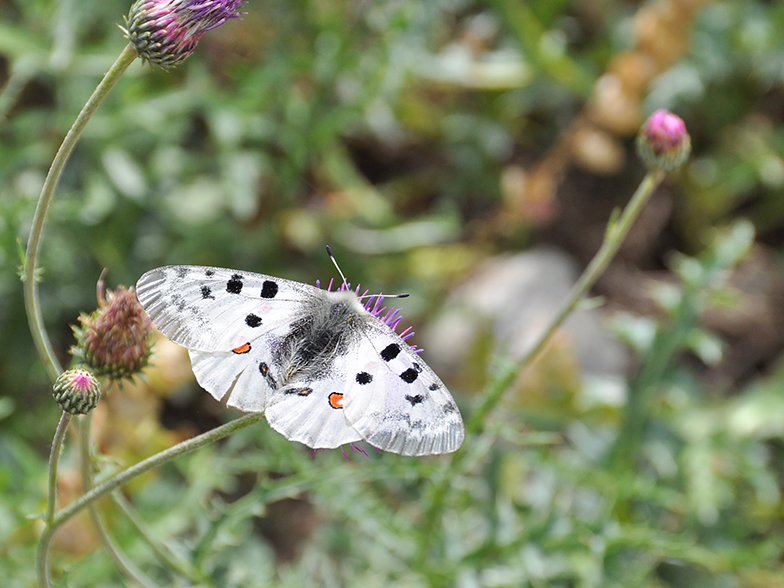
[[77, 391], [165, 32], [115, 340], [663, 142]]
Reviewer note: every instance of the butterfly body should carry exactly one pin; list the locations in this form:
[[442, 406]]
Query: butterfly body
[[325, 368], [328, 328]]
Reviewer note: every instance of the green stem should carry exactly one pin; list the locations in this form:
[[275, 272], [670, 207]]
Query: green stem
[[32, 304], [42, 557], [151, 462], [123, 563], [614, 237]]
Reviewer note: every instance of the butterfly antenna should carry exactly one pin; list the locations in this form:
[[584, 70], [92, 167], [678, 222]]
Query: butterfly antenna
[[345, 282], [403, 295], [334, 261]]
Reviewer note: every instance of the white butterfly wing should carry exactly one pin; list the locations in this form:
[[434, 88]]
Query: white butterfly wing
[[234, 323], [312, 412], [395, 401], [215, 309], [247, 377]]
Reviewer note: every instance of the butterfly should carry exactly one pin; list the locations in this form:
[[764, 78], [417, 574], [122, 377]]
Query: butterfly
[[326, 368]]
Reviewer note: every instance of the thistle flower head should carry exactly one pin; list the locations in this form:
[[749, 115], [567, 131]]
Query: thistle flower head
[[165, 32], [114, 340], [77, 391], [663, 142]]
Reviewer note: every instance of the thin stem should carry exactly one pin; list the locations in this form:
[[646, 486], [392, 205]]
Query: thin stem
[[614, 237], [152, 462], [54, 459], [32, 303], [42, 559], [508, 372], [123, 563]]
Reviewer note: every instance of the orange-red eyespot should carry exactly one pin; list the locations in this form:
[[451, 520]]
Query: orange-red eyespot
[[244, 348], [336, 400]]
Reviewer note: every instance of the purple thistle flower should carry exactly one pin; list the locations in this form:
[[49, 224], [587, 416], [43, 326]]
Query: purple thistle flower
[[116, 339], [77, 391], [391, 317], [663, 142], [164, 32]]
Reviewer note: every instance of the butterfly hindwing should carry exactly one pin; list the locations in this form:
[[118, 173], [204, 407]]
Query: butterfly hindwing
[[214, 309], [245, 374], [312, 412], [395, 401]]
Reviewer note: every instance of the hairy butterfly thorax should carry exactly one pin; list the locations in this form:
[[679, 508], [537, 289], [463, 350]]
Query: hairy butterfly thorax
[[325, 332]]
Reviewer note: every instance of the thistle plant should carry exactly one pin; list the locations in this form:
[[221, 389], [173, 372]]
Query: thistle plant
[[663, 142], [165, 32], [77, 391], [114, 340]]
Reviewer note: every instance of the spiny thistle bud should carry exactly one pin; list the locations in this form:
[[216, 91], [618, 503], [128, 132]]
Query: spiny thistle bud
[[115, 340], [663, 142], [77, 391], [164, 32]]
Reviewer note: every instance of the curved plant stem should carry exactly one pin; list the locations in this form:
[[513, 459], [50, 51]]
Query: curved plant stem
[[508, 372], [136, 470], [613, 239], [123, 563], [42, 559], [32, 304]]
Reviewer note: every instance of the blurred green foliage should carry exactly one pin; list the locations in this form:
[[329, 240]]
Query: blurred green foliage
[[383, 128]]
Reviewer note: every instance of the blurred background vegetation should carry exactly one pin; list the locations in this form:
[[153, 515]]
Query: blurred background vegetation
[[467, 152]]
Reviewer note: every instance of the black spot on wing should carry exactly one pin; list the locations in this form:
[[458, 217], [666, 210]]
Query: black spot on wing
[[449, 407], [418, 367], [414, 400], [209, 273], [299, 391], [265, 372], [409, 375], [252, 320], [206, 292], [433, 386], [234, 285], [269, 289], [390, 352], [364, 378], [182, 272]]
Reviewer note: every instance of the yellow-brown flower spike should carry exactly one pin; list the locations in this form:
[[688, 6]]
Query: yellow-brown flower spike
[[115, 340]]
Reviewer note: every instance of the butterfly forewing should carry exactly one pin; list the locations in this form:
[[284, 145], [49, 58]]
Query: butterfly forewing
[[214, 309]]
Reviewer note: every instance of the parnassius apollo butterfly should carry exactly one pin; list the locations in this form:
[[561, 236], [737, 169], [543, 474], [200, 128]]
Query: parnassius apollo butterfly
[[327, 368]]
